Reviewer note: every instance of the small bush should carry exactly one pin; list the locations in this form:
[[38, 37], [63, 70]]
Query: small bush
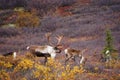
[[114, 64], [4, 75], [27, 19]]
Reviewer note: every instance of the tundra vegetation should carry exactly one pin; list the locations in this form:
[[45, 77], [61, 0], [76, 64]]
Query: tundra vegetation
[[85, 24], [27, 67]]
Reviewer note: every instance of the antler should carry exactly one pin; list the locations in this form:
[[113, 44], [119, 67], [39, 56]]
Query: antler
[[59, 38], [47, 35]]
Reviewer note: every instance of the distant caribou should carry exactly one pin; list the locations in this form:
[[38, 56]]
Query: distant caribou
[[106, 57], [46, 50], [14, 54]]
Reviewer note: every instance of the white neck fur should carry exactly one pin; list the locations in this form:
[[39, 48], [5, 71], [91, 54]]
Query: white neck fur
[[53, 55]]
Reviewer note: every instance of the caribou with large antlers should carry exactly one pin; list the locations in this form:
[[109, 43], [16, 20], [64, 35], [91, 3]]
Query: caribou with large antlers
[[46, 50]]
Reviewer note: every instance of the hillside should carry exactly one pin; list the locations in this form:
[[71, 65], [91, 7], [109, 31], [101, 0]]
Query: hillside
[[85, 25], [82, 22]]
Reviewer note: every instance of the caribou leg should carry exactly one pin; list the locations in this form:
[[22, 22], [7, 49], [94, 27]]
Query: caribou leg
[[67, 59], [45, 60]]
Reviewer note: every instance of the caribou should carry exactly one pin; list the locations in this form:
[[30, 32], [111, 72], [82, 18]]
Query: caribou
[[73, 53], [14, 54], [46, 50]]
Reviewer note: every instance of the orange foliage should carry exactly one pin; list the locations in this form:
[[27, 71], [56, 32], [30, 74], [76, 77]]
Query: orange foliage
[[63, 11]]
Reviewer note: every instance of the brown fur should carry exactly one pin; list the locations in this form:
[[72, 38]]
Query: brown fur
[[34, 47], [73, 51]]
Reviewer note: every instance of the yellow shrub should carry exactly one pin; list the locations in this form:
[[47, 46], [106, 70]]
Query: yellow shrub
[[26, 69], [70, 74], [53, 70], [113, 64], [27, 19], [4, 75], [48, 72], [25, 64], [4, 64], [41, 71], [23, 79]]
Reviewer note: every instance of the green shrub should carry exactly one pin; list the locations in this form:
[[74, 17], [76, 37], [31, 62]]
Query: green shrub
[[109, 46]]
